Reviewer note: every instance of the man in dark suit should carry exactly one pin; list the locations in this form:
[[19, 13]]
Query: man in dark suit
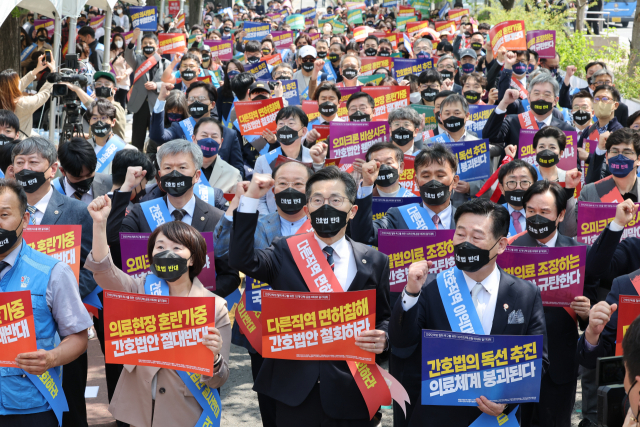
[[201, 98], [486, 225], [179, 169], [504, 129], [35, 164], [435, 174], [78, 166], [313, 393], [558, 388]]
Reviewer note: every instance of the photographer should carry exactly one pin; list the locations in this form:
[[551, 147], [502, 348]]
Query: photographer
[[105, 88]]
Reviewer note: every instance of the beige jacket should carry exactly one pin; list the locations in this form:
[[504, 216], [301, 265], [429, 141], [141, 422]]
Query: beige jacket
[[174, 404], [28, 104], [224, 176]]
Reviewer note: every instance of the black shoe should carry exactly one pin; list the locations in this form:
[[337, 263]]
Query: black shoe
[[586, 423]]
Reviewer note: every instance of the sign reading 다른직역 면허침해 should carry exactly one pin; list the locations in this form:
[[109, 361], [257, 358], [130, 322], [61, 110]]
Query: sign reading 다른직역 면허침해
[[405, 247], [543, 42], [171, 43], [316, 326], [63, 242], [594, 217], [457, 368], [351, 140], [254, 117], [510, 34], [157, 330], [557, 272], [143, 17], [136, 263], [17, 330]]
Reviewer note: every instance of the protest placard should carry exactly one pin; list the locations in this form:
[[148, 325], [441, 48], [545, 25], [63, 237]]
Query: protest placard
[[180, 20], [457, 14], [254, 290], [63, 242], [48, 24], [478, 116], [445, 26], [372, 63], [387, 98], [254, 117], [282, 39], [171, 43], [144, 17], [323, 130], [527, 153], [380, 205], [594, 217], [628, 311], [354, 17], [222, 49], [429, 115], [404, 67], [174, 7], [290, 91], [510, 34], [256, 30], [97, 22], [402, 21], [406, 11], [260, 70], [406, 178], [17, 330], [295, 22], [414, 28], [473, 159], [543, 42], [351, 140]]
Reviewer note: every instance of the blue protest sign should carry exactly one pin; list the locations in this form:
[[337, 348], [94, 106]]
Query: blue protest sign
[[479, 114], [260, 70], [290, 91], [144, 18], [404, 67], [256, 30], [254, 290], [473, 159]]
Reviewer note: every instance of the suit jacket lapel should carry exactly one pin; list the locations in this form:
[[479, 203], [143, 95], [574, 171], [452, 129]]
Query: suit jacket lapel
[[363, 265], [200, 211], [56, 204], [506, 295]]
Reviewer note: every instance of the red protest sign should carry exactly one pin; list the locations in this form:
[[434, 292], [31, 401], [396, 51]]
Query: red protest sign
[[316, 326], [414, 28], [372, 63], [445, 26], [323, 130], [343, 113], [456, 15], [387, 98], [254, 117], [159, 331], [172, 43], [180, 22], [628, 311], [361, 33], [311, 108], [406, 11], [222, 49], [406, 178], [174, 7], [331, 162], [59, 241], [249, 323], [17, 330], [510, 34], [273, 60]]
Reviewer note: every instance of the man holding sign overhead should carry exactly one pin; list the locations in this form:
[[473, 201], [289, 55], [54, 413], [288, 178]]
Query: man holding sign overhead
[[494, 303]]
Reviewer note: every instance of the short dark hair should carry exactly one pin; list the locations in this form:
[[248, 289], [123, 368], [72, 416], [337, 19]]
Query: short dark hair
[[593, 64], [190, 56], [385, 146], [541, 187], [624, 136], [550, 132], [179, 232], [342, 47], [277, 168], [505, 170], [584, 93], [327, 86], [241, 83], [631, 349], [436, 153], [632, 118], [371, 37], [293, 111], [484, 207], [149, 35], [104, 108], [613, 90], [5, 155], [9, 119], [523, 52], [211, 90], [479, 77], [359, 95], [75, 154], [444, 94], [430, 76], [253, 46], [12, 184], [207, 120], [125, 158], [484, 26], [87, 31], [534, 54], [332, 173]]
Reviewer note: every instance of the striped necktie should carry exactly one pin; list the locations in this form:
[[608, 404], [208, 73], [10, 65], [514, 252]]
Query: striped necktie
[[32, 217], [329, 251]]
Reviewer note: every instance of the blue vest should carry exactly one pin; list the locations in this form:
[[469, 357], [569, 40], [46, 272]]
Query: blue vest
[[31, 272]]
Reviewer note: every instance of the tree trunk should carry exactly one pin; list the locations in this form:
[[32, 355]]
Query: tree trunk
[[10, 53], [507, 4], [580, 14], [195, 12], [634, 59]]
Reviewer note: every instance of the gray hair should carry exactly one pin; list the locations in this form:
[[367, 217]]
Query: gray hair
[[545, 78], [347, 56], [537, 72], [282, 65], [35, 144], [424, 40], [455, 99], [180, 146], [445, 57], [405, 113], [602, 72]]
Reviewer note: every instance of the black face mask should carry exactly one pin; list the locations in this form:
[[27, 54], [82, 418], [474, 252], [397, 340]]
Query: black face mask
[[175, 184], [148, 50], [476, 46], [8, 238], [581, 117], [169, 266], [446, 75], [198, 109], [286, 136], [101, 129], [350, 73], [547, 158], [401, 136], [328, 109], [514, 198], [434, 193], [327, 221], [384, 53], [6, 140], [42, 39], [188, 75], [81, 186], [307, 66], [359, 116], [290, 201], [472, 96], [371, 51], [471, 258], [540, 227], [30, 180], [387, 176], [226, 29], [206, 59], [540, 106], [453, 124], [334, 57], [429, 94], [322, 55], [103, 92], [253, 59]]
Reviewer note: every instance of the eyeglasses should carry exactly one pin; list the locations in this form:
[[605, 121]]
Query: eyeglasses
[[200, 98], [363, 109], [603, 99], [512, 185], [318, 201], [627, 153], [308, 59], [446, 67], [602, 83]]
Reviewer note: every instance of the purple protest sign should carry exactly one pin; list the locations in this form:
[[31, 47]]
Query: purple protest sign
[[405, 247], [543, 42], [568, 160], [47, 24], [558, 272], [346, 92], [594, 217], [282, 39], [135, 259], [351, 140], [222, 49]]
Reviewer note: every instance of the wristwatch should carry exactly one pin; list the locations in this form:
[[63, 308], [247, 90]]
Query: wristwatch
[[410, 293], [218, 361]]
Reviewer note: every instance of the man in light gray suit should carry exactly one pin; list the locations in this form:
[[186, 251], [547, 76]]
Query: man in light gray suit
[[79, 179], [148, 69], [35, 166]]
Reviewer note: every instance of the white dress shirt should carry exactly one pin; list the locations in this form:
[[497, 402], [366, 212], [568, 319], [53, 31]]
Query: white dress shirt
[[486, 298], [523, 217], [69, 190], [547, 121], [288, 228], [41, 206], [189, 208], [551, 243]]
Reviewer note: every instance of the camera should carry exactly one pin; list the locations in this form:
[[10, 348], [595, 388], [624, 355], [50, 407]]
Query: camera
[[610, 374], [72, 107]]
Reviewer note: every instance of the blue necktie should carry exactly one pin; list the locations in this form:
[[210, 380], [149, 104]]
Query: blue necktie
[[329, 251]]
